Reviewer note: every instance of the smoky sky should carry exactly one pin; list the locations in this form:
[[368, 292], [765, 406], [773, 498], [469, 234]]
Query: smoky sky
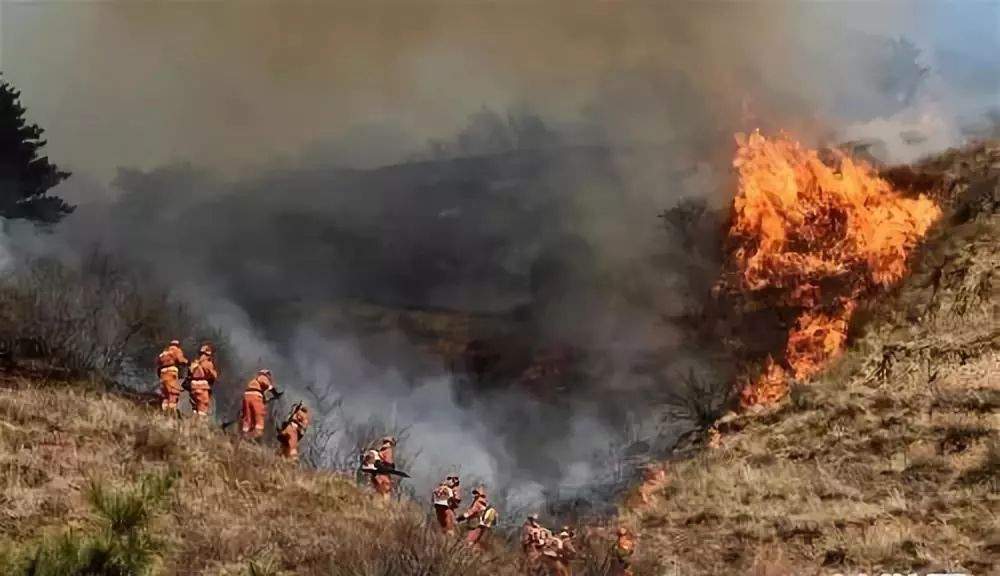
[[234, 84], [276, 164]]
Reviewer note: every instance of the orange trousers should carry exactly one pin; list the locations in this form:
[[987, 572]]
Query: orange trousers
[[289, 438], [382, 484], [445, 518], [477, 537], [201, 397], [170, 388], [253, 414]]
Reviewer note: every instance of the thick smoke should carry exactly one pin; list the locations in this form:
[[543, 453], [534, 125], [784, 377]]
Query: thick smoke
[[344, 188], [6, 253]]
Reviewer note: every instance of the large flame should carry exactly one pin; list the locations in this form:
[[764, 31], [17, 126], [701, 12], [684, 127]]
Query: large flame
[[814, 238]]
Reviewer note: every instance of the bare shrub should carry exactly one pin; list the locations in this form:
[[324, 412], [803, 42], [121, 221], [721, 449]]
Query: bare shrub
[[100, 318], [696, 398]]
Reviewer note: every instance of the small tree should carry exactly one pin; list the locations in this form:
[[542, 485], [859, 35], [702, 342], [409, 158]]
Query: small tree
[[25, 177]]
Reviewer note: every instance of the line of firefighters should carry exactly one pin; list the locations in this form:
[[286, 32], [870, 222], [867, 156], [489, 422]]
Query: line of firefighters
[[202, 374], [542, 548]]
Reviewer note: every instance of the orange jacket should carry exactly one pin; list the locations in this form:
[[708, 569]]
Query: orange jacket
[[532, 535], [204, 369], [170, 356], [260, 383], [475, 509]]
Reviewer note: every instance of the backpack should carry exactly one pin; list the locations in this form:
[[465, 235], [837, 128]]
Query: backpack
[[489, 518]]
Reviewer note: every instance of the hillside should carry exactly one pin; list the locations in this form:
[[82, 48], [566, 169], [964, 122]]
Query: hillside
[[234, 506], [887, 461]]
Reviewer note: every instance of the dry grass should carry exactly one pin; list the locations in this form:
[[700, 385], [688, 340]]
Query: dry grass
[[887, 462], [236, 507]]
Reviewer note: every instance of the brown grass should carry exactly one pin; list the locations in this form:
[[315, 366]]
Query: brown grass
[[234, 503], [887, 462]]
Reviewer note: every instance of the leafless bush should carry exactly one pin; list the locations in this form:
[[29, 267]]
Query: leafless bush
[[320, 447], [99, 318], [336, 439], [696, 398]]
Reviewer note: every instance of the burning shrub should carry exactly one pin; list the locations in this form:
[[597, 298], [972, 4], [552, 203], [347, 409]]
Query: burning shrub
[[813, 238]]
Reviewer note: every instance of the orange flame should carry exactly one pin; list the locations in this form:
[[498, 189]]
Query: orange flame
[[815, 238]]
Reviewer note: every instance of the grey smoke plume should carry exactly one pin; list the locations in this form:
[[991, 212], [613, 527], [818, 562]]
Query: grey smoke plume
[[6, 255], [296, 170]]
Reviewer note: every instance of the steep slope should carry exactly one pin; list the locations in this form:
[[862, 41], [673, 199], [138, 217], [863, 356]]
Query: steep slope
[[233, 503], [887, 461]]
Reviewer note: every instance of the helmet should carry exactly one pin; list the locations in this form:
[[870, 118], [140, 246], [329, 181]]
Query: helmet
[[452, 478], [175, 342], [206, 349], [533, 516], [264, 372]]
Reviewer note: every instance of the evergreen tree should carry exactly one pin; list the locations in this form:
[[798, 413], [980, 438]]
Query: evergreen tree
[[25, 177]]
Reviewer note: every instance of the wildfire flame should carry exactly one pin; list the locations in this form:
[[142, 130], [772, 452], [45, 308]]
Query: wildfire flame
[[814, 238]]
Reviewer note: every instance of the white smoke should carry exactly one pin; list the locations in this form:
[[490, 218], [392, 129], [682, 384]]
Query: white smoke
[[446, 436], [6, 256]]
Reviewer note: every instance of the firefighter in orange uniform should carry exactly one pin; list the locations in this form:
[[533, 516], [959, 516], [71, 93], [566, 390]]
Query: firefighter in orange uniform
[[479, 518], [383, 482], [533, 537], [255, 399], [168, 366], [290, 433], [622, 553], [446, 499], [561, 553], [202, 375]]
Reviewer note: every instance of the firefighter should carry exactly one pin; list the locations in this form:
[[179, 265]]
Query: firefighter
[[446, 499], [381, 481], [559, 563], [622, 552], [290, 433], [255, 397], [533, 536], [551, 552], [480, 519], [202, 375], [168, 365]]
